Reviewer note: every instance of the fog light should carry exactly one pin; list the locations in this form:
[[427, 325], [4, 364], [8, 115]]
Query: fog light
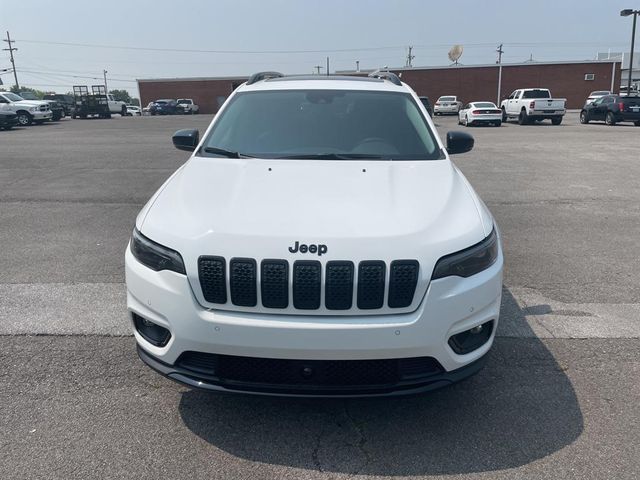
[[472, 339], [151, 332]]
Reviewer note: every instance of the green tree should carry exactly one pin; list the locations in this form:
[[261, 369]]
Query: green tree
[[121, 96], [36, 92]]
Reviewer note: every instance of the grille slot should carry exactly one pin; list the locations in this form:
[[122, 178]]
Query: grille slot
[[371, 275], [242, 272], [403, 278], [339, 285], [213, 279], [274, 283], [307, 277]]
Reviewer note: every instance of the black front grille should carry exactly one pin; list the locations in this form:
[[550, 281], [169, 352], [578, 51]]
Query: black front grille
[[213, 279], [403, 278], [307, 373], [371, 284], [305, 282], [274, 283], [307, 277], [339, 285], [242, 281]]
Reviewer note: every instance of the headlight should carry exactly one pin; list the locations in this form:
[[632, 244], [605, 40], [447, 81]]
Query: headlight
[[469, 261], [154, 255], [33, 109]]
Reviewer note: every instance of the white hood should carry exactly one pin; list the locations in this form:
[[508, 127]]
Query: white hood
[[361, 210]]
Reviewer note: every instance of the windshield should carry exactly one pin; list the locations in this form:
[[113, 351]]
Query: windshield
[[324, 124], [12, 97], [537, 93], [161, 102], [28, 96], [598, 94], [183, 100], [484, 105], [447, 99]]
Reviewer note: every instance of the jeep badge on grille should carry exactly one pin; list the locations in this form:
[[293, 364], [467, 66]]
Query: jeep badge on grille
[[312, 248]]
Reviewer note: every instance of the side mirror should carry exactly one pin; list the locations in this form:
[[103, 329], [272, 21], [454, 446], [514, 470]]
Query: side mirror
[[459, 142], [186, 140]]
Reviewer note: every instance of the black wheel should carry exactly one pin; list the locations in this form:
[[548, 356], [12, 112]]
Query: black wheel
[[24, 119], [504, 115], [610, 119], [123, 111], [523, 118], [637, 123], [556, 120], [498, 123], [584, 117], [466, 121]]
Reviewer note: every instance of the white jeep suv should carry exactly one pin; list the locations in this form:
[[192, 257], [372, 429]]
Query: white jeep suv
[[319, 241]]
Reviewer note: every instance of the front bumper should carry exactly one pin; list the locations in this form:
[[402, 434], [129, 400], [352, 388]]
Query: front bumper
[[42, 115], [450, 306]]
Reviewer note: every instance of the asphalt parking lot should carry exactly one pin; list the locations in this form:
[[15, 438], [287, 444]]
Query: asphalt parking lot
[[557, 399]]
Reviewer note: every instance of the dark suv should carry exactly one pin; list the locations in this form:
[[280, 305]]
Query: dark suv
[[66, 102], [167, 106], [613, 109]]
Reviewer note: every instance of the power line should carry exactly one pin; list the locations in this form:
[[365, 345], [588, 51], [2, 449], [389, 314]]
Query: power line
[[189, 50]]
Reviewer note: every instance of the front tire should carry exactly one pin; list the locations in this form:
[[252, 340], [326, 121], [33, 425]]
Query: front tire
[[556, 120], [584, 117], [610, 119], [637, 123], [498, 123], [25, 119], [504, 115]]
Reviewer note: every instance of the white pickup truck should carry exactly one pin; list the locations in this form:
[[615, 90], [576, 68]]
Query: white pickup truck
[[27, 111], [116, 106], [187, 106], [533, 104]]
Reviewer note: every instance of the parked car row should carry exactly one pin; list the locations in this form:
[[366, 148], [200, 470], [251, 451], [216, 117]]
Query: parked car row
[[170, 106]]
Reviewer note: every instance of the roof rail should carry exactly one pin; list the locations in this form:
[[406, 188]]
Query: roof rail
[[256, 77], [392, 77]]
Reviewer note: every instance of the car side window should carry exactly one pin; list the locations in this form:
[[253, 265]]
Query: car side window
[[3, 100], [608, 100]]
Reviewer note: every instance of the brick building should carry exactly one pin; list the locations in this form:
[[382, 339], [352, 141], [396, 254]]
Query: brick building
[[571, 80]]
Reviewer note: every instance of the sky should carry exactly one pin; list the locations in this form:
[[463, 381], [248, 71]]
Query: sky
[[68, 42]]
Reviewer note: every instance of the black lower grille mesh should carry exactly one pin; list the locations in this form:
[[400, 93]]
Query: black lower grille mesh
[[306, 284], [371, 284], [328, 373], [403, 278], [213, 279], [274, 283], [242, 281]]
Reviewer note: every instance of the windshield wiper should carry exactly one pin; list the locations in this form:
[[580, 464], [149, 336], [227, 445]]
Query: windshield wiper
[[334, 156], [225, 153]]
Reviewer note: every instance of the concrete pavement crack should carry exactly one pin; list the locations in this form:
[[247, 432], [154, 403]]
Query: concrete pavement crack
[[362, 440]]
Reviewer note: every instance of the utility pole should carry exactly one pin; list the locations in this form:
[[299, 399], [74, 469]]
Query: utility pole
[[104, 73], [327, 66], [318, 67], [13, 62], [357, 65], [500, 52], [410, 58]]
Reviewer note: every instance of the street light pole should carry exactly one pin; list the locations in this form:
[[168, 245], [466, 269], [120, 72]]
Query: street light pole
[[635, 13]]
